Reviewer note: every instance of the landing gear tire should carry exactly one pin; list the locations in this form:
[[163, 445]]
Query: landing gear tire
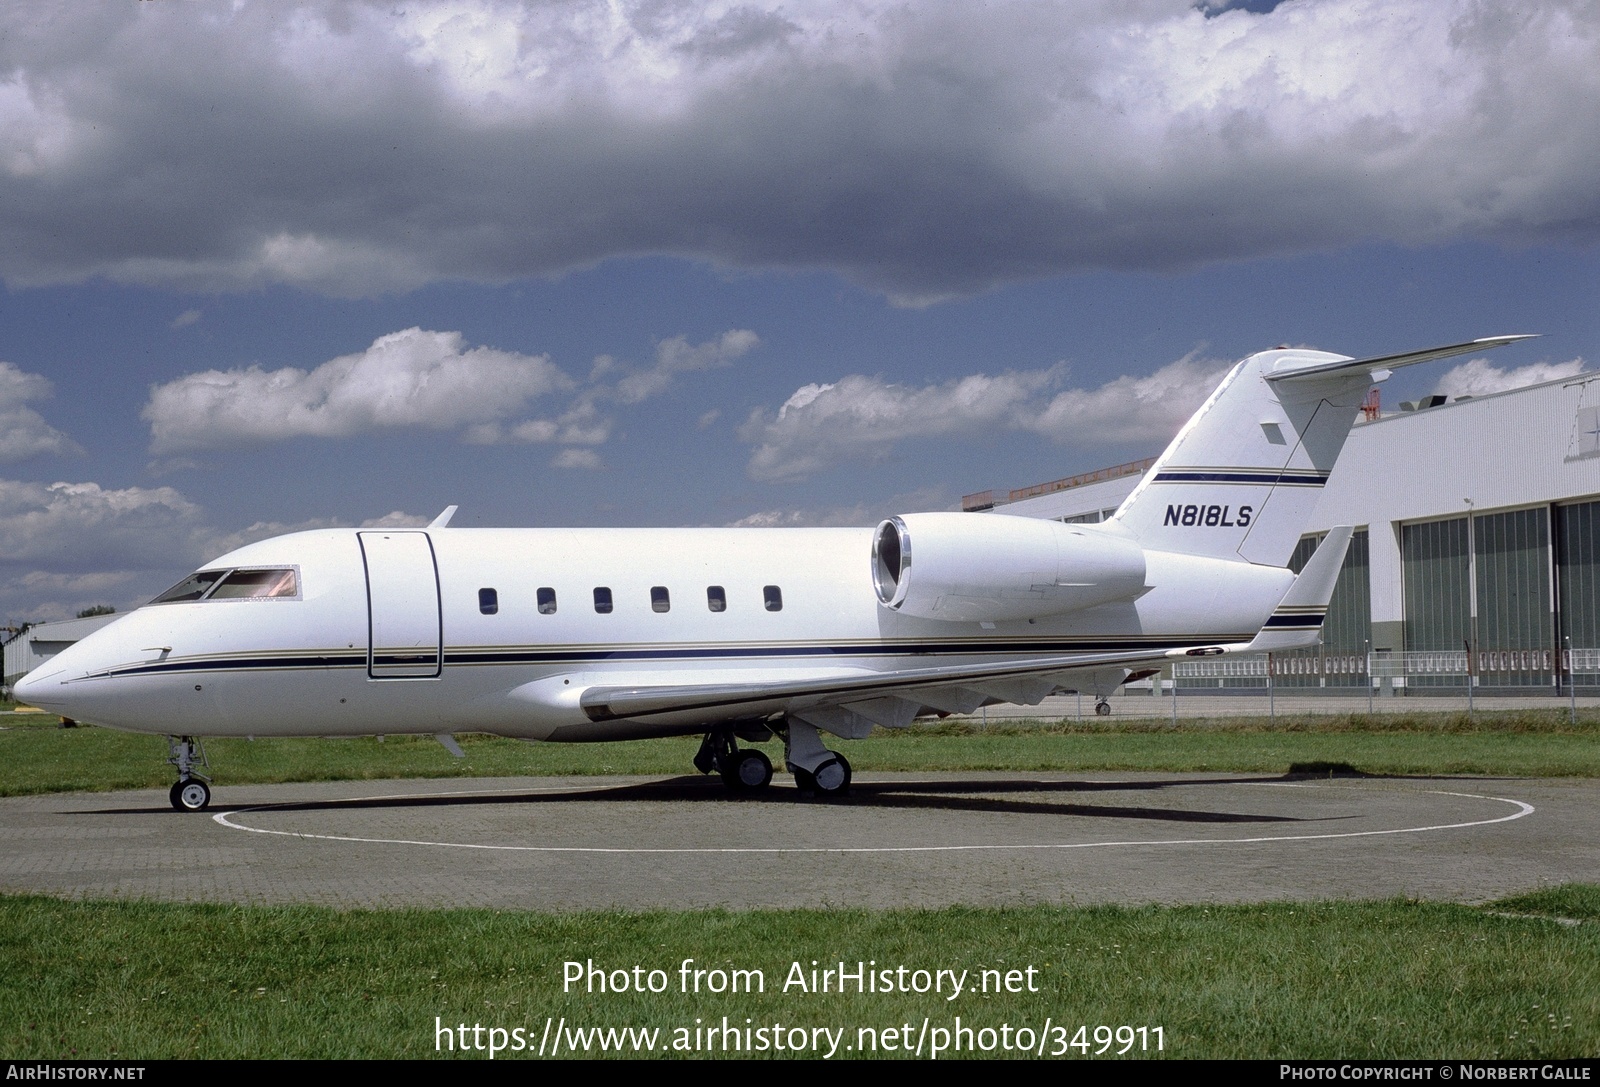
[[832, 776], [1102, 709], [190, 795], [748, 771]]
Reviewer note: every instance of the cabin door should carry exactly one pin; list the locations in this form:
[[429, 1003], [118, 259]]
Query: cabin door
[[404, 632]]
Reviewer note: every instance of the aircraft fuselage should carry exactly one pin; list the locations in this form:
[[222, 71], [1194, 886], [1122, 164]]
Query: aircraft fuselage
[[501, 630]]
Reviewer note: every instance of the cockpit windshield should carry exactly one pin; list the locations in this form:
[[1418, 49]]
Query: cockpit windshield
[[192, 587], [253, 584], [256, 583]]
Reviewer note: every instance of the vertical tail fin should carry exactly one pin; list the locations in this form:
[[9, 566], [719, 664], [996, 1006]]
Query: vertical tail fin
[[1241, 479]]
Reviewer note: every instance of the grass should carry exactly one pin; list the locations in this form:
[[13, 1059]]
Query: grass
[[1392, 979], [36, 756], [141, 980]]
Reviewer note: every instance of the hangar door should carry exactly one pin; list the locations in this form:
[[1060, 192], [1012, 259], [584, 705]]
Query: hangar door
[[404, 633]]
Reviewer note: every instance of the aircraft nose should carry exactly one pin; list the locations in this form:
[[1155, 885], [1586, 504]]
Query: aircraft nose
[[33, 686]]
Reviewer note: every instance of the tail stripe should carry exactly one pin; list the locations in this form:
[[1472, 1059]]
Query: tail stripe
[[1255, 477], [1280, 621]]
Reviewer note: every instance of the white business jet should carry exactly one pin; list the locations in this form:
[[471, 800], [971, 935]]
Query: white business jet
[[580, 635]]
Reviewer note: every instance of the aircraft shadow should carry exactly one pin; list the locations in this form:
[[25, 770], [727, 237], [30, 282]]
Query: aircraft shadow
[[959, 795]]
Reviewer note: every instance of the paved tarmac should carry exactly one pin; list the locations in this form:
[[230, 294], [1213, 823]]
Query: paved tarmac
[[899, 840]]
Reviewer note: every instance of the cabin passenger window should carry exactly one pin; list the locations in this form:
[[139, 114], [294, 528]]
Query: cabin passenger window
[[659, 600], [772, 596], [602, 600], [488, 601], [547, 601], [716, 599]]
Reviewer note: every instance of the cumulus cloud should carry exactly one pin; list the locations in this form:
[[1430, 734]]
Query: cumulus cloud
[[855, 516], [859, 417], [576, 458], [72, 527], [679, 356], [583, 423], [23, 431], [216, 544], [355, 147], [65, 546], [98, 582], [185, 319], [397, 519], [1478, 377], [859, 515], [864, 418], [408, 378], [1132, 409]]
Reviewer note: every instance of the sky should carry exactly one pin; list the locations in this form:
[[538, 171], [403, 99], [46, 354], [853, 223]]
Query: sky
[[271, 266]]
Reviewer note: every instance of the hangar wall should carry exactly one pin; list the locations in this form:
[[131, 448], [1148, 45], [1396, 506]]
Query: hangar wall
[[1479, 526]]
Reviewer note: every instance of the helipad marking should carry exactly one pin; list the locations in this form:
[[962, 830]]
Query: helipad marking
[[222, 818]]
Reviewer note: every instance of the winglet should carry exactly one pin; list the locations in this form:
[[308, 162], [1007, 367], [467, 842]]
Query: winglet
[[444, 518], [1296, 623], [1393, 362]]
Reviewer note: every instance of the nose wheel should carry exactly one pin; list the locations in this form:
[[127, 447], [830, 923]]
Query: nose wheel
[[190, 793]]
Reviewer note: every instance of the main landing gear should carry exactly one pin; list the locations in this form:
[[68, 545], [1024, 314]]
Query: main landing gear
[[743, 769], [816, 769], [190, 793]]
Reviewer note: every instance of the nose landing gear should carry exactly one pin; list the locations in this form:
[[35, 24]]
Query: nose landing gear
[[190, 793]]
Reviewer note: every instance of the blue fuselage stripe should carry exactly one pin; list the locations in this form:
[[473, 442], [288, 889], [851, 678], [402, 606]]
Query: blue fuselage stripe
[[544, 655]]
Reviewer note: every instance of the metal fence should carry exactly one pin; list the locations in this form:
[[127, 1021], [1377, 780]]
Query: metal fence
[[1519, 668]]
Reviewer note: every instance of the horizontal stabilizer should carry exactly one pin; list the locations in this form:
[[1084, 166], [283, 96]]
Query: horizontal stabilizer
[[1392, 362], [1296, 623]]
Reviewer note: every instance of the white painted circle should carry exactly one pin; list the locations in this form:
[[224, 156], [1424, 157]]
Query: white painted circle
[[228, 819]]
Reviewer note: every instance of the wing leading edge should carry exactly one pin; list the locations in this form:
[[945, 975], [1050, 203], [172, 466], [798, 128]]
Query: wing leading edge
[[797, 695]]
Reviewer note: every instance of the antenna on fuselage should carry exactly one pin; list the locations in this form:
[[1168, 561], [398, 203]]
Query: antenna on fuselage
[[444, 518]]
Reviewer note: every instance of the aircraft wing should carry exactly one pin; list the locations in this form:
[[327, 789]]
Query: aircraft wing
[[851, 704], [891, 698]]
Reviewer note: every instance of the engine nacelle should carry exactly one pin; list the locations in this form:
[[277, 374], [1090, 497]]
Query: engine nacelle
[[982, 567]]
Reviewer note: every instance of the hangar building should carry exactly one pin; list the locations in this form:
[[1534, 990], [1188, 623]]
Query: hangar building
[[1477, 551]]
